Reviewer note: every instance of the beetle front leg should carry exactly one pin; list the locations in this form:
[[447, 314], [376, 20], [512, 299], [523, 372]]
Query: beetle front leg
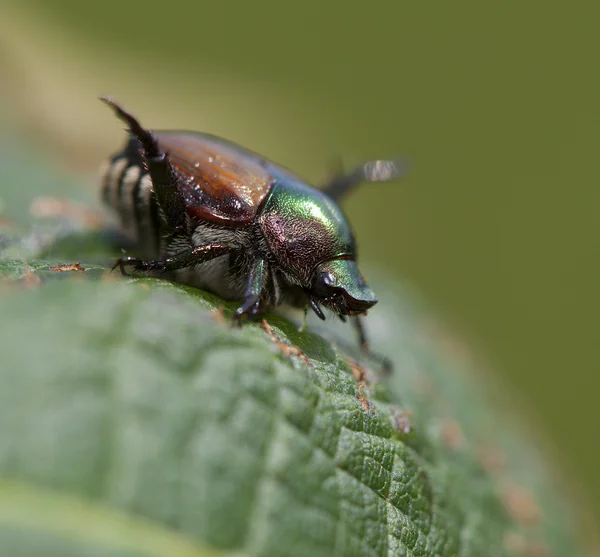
[[254, 295], [386, 363], [164, 179], [181, 260], [372, 171]]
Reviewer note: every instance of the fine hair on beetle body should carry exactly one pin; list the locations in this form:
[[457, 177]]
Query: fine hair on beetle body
[[206, 212]]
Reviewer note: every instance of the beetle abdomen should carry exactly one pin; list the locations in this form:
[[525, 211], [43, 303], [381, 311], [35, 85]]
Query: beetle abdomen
[[126, 187]]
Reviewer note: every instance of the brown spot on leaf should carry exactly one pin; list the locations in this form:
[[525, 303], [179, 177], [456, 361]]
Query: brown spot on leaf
[[363, 399], [286, 349], [359, 372], [520, 505], [219, 316], [67, 267], [360, 375], [452, 434]]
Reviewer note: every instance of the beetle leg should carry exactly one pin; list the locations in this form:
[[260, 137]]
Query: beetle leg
[[181, 260], [254, 295], [165, 181], [126, 261], [372, 171], [386, 363]]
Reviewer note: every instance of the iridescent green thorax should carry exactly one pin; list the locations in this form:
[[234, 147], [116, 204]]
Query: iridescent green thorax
[[303, 226]]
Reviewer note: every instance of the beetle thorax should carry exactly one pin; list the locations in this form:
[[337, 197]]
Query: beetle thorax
[[303, 228]]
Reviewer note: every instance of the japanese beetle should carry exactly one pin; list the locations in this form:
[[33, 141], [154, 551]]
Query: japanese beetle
[[206, 212]]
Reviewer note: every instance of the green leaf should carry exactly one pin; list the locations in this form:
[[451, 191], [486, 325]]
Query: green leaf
[[134, 396], [37, 521], [134, 420]]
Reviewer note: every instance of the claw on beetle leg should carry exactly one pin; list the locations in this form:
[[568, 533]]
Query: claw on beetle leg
[[248, 310], [137, 264], [238, 316]]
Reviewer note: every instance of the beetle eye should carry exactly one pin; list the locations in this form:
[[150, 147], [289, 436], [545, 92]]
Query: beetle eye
[[324, 284]]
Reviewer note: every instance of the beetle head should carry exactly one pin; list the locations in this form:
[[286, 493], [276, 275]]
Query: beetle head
[[339, 286]]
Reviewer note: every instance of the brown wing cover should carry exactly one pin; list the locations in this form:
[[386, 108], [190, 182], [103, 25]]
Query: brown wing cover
[[221, 183]]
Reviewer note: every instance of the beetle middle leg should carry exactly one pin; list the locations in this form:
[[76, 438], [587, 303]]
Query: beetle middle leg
[[386, 363], [372, 171], [181, 260]]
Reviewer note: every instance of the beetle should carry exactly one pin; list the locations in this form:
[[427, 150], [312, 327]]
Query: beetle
[[207, 212]]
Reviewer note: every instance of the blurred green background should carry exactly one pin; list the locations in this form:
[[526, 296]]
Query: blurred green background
[[495, 104]]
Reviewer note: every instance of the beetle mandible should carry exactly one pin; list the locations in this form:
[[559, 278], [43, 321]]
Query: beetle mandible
[[212, 214]]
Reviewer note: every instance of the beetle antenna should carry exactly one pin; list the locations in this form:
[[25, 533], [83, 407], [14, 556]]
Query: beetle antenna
[[144, 136], [371, 171]]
